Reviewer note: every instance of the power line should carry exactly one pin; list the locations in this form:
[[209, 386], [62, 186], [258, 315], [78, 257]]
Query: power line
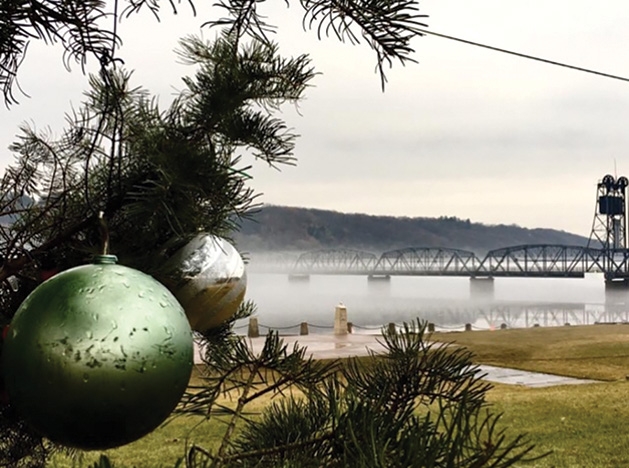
[[530, 57]]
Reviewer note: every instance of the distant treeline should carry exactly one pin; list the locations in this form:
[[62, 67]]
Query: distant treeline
[[281, 228]]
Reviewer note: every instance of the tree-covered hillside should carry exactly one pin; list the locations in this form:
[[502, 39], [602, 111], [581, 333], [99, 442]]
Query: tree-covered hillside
[[279, 228]]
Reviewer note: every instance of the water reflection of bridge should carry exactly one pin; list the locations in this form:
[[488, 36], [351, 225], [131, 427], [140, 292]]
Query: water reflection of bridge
[[519, 315], [542, 261]]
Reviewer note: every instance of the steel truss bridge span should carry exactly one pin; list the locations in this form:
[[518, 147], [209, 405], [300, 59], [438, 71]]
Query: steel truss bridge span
[[562, 261], [335, 262], [427, 261], [543, 261]]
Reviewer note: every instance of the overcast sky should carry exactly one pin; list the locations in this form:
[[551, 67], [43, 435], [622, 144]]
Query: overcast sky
[[467, 132]]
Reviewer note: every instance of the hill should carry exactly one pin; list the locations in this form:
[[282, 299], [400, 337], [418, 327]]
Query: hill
[[280, 228]]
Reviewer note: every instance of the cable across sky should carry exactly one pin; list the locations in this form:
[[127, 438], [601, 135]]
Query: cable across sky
[[518, 54]]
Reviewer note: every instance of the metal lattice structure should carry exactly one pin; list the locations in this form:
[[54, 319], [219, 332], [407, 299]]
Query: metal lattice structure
[[616, 264], [427, 261], [335, 262], [541, 261], [276, 262], [547, 260], [609, 228]]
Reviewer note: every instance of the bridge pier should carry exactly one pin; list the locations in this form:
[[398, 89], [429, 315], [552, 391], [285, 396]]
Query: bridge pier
[[616, 295], [298, 278], [481, 287], [379, 278], [379, 283], [616, 284]]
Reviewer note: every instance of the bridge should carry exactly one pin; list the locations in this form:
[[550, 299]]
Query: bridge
[[609, 230], [540, 261]]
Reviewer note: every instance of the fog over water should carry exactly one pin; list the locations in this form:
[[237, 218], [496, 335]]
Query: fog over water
[[445, 301]]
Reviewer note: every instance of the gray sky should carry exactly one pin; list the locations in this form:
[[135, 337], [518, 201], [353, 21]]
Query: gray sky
[[467, 132]]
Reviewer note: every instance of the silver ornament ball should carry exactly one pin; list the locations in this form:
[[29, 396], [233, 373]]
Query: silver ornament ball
[[208, 278]]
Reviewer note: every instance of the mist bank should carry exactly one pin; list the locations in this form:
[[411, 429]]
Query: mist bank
[[281, 229]]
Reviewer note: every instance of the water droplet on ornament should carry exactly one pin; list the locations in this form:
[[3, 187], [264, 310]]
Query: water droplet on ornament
[[126, 284], [163, 304], [101, 287], [95, 317], [141, 294], [114, 325], [89, 334]]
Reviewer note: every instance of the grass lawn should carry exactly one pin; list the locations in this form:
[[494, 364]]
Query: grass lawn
[[589, 351], [584, 425]]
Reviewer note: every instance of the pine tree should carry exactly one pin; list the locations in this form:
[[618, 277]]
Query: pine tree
[[158, 176], [161, 175], [414, 405]]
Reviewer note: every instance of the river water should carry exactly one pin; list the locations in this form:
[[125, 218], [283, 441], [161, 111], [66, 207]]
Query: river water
[[445, 301]]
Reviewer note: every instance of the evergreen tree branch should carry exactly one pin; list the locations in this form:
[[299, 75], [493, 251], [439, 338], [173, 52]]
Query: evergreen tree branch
[[74, 23], [253, 371], [388, 27]]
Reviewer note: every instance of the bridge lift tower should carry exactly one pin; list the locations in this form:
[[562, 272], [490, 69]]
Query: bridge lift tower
[[609, 228]]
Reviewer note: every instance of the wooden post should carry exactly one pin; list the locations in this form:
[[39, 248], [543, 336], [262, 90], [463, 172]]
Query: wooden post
[[468, 327], [431, 328], [392, 330], [254, 330], [350, 327], [303, 328], [503, 326]]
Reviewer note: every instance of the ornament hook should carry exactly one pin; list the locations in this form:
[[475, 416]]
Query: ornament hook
[[104, 233]]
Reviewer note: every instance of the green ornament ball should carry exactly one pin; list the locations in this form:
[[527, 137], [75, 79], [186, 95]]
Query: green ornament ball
[[97, 356], [208, 277]]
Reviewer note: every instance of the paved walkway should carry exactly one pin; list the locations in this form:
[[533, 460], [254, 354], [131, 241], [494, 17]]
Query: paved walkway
[[333, 346], [528, 379]]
